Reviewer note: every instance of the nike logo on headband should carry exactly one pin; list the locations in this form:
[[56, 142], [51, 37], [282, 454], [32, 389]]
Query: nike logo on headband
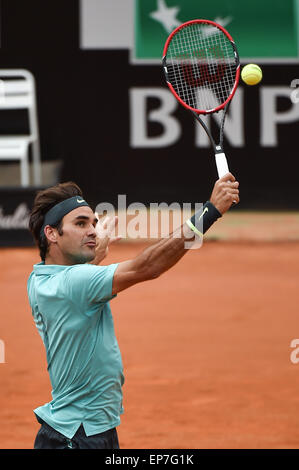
[[82, 200]]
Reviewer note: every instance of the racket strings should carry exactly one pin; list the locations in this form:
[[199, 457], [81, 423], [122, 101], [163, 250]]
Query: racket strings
[[201, 65]]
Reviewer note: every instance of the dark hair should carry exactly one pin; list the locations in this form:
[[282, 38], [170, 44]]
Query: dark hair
[[43, 202]]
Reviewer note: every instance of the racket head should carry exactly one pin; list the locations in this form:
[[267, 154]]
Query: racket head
[[201, 65]]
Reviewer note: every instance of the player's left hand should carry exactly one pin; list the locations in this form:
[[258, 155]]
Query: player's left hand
[[106, 235]]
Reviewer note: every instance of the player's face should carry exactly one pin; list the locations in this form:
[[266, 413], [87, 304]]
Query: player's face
[[78, 240]]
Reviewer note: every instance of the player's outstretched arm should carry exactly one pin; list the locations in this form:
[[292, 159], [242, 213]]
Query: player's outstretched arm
[[164, 254]]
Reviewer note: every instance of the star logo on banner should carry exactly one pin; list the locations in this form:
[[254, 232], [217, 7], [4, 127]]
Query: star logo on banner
[[209, 31], [223, 21], [166, 16]]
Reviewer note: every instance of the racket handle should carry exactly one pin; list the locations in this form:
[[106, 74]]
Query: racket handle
[[221, 163]]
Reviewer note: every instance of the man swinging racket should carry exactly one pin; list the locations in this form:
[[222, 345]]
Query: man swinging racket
[[69, 294]]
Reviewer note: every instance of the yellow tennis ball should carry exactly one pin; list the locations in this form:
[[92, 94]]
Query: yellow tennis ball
[[251, 74]]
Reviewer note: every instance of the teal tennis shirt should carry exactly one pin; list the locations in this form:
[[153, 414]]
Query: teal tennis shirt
[[70, 306]]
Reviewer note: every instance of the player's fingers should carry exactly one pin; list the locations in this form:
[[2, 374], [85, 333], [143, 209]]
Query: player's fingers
[[235, 198], [228, 177], [101, 219], [230, 193], [112, 223], [228, 186], [233, 191], [229, 189], [101, 226], [115, 239], [105, 221]]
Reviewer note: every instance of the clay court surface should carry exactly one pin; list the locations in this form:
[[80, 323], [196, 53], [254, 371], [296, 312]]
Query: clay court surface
[[206, 349]]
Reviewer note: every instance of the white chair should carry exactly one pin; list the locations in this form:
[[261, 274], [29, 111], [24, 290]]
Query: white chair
[[17, 91]]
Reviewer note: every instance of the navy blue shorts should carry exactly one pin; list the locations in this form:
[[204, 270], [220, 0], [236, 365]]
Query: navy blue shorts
[[49, 438]]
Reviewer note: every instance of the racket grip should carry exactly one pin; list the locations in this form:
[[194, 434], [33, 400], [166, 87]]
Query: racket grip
[[221, 163]]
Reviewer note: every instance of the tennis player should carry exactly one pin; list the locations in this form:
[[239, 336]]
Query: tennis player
[[69, 295]]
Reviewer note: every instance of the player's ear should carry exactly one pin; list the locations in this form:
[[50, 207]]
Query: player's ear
[[51, 233]]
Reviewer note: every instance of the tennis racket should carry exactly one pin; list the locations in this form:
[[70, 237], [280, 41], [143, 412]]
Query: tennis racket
[[202, 69]]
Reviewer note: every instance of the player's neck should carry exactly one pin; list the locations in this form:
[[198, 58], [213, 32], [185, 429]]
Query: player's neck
[[57, 257]]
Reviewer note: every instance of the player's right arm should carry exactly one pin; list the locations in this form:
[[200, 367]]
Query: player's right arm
[[164, 254]]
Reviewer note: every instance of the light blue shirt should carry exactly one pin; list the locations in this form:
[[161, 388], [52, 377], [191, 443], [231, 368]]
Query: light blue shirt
[[72, 314]]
